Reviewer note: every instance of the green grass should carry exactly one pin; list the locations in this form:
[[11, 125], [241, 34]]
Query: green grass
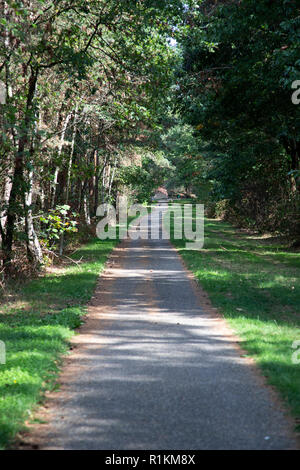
[[36, 323], [255, 283]]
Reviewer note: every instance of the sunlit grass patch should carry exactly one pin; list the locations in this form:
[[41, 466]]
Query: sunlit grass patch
[[36, 329]]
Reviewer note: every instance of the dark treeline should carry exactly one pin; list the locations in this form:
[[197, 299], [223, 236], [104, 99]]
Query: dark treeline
[[237, 86]]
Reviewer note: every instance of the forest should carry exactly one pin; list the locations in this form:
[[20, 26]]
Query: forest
[[104, 98], [107, 98]]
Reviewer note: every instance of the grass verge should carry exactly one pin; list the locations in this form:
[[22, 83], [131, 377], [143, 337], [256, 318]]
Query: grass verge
[[255, 283], [37, 321]]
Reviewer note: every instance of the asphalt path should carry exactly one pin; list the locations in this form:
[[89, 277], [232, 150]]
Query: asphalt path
[[153, 369]]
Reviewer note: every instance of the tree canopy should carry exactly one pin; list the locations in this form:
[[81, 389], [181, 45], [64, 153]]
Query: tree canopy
[[234, 86], [104, 97]]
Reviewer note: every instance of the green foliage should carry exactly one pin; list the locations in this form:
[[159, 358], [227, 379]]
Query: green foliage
[[239, 60], [182, 148], [143, 179], [56, 222], [81, 80]]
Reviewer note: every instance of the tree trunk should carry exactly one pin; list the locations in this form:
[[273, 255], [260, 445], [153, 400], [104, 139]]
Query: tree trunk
[[5, 198], [96, 183], [61, 243], [34, 252], [61, 145], [86, 205], [112, 177], [18, 188], [292, 148]]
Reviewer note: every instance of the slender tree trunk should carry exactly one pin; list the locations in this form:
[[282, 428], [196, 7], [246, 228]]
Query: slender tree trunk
[[34, 252], [112, 177], [86, 205], [61, 145], [61, 243], [42, 198], [71, 155], [5, 198], [18, 184], [295, 155], [103, 185], [102, 176], [108, 173], [292, 148], [96, 183]]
